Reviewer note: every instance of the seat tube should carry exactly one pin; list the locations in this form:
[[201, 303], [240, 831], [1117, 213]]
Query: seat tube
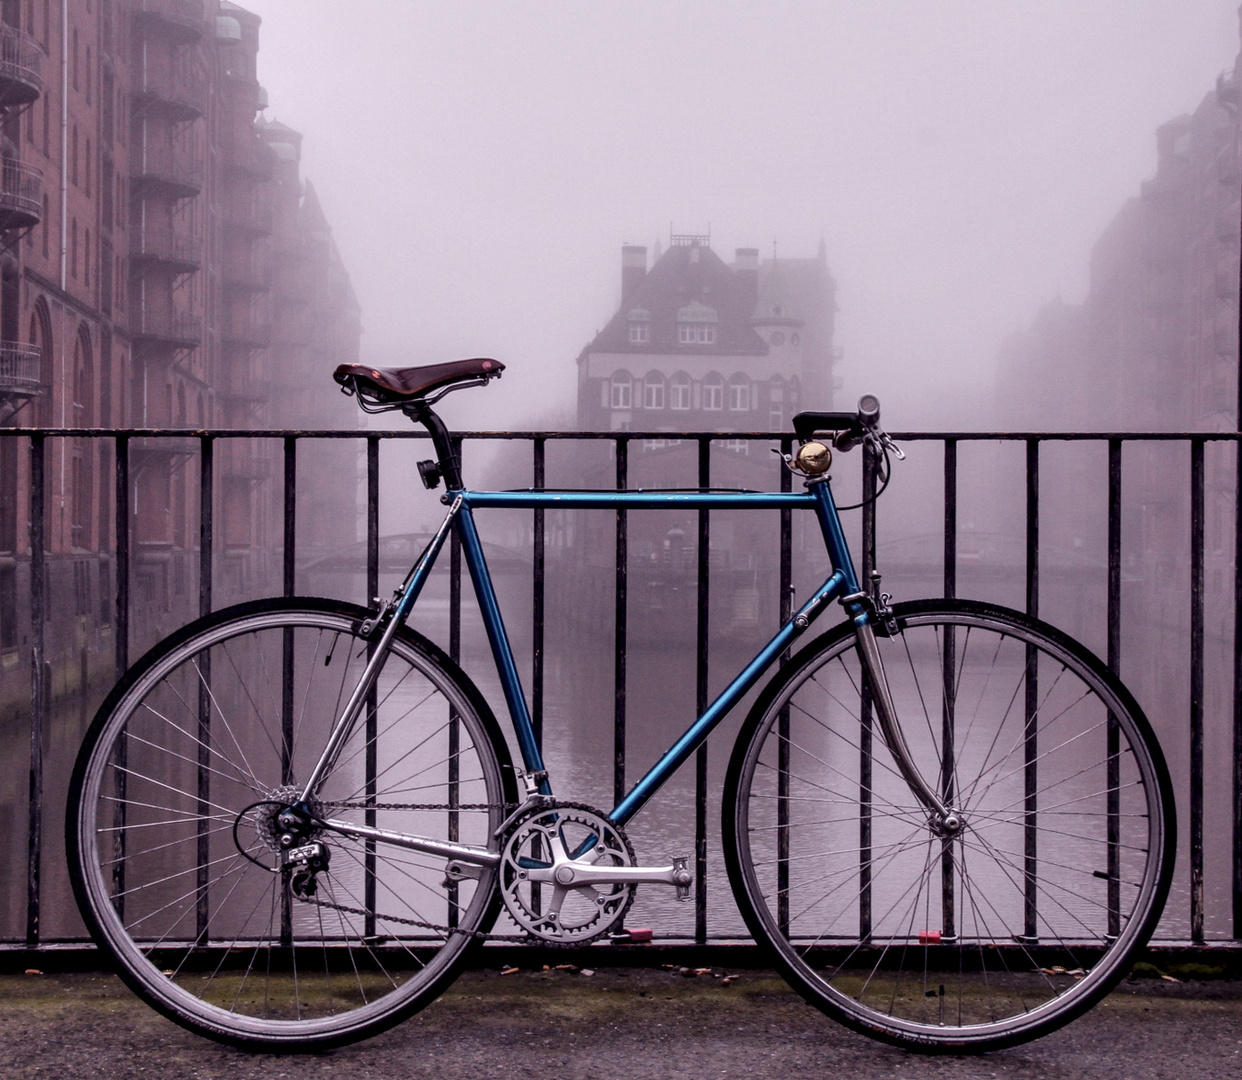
[[506, 666]]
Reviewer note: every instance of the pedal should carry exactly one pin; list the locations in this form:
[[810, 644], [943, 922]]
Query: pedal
[[682, 877], [636, 936]]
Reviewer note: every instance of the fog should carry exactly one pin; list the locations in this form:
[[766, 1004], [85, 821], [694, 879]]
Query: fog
[[482, 164]]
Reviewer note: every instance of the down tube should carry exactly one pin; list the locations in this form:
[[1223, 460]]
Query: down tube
[[689, 742], [506, 666]]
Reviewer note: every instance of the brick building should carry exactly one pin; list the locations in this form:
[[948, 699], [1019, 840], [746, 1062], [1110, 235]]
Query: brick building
[[162, 265], [1153, 347]]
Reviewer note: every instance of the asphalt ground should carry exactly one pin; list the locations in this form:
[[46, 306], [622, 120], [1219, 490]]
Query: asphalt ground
[[630, 1023]]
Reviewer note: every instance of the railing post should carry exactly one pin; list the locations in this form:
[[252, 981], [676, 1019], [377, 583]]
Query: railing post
[[290, 515], [122, 503], [1113, 736], [1196, 690], [701, 700], [538, 591], [1030, 741], [621, 602], [38, 688]]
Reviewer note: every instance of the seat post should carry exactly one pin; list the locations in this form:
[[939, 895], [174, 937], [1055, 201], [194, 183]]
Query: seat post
[[450, 465]]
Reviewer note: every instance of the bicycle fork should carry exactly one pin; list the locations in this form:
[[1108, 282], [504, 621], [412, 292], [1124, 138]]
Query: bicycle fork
[[944, 821]]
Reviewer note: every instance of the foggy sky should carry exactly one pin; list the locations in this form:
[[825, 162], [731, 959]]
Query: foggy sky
[[483, 163]]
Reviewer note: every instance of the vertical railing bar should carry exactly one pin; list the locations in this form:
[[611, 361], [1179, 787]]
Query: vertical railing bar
[[1113, 826], [455, 582], [290, 515], [538, 588], [372, 519], [121, 502], [288, 643], [948, 694], [206, 545], [120, 779], [1030, 742], [701, 687], [865, 713], [1196, 689], [206, 521], [621, 601], [950, 518], [371, 764], [454, 720], [782, 751], [38, 688]]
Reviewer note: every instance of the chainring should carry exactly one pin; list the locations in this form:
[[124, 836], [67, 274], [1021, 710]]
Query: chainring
[[553, 836]]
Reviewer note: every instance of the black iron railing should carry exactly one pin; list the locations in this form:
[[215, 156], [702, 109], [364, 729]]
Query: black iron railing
[[1164, 527]]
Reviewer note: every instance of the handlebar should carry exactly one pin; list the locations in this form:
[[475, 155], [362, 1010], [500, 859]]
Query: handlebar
[[849, 428]]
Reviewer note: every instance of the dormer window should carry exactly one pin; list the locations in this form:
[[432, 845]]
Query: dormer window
[[696, 325], [639, 323]]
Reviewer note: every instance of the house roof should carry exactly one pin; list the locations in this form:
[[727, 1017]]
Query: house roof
[[690, 280]]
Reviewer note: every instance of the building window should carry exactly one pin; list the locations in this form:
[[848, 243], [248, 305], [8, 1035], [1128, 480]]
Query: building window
[[739, 394], [653, 391], [621, 391], [696, 334], [776, 419], [679, 392], [713, 393], [639, 329]]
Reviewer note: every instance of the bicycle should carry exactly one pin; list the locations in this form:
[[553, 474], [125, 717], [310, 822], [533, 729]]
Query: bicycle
[[949, 823]]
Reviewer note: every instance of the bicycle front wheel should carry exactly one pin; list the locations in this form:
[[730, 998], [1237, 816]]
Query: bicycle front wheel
[[175, 843], [974, 937]]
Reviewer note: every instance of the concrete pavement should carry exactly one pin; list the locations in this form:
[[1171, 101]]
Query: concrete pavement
[[630, 1023]]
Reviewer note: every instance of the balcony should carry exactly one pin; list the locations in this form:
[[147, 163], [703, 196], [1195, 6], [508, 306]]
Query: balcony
[[174, 329], [162, 171], [249, 217], [20, 365], [21, 68], [179, 97], [248, 272], [253, 160], [248, 331], [182, 254], [180, 20], [21, 195]]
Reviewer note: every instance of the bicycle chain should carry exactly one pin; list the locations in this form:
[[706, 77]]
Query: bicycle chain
[[479, 934]]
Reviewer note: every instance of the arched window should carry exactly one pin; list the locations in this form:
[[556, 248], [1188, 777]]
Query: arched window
[[739, 393], [41, 335], [83, 379], [713, 392], [679, 392], [653, 390], [621, 390], [82, 495]]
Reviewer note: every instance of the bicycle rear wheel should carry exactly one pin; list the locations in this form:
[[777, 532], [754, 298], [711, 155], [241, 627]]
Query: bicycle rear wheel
[[174, 843], [987, 937]]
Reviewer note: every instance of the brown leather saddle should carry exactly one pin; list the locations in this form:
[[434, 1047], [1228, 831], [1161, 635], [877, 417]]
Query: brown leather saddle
[[394, 387]]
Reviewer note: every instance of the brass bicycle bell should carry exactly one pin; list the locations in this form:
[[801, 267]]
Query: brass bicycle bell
[[812, 459]]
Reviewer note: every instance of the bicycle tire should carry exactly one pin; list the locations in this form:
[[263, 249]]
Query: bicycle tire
[[975, 941], [172, 839]]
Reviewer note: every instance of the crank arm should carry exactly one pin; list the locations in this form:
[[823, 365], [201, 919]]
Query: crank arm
[[579, 874], [472, 855]]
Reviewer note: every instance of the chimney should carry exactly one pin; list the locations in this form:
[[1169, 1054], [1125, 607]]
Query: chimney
[[746, 269], [633, 269]]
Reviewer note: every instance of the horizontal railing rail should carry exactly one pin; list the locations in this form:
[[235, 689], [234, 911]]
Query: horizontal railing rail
[[1168, 515]]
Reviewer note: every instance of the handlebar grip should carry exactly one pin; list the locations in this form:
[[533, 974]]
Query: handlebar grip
[[868, 420]]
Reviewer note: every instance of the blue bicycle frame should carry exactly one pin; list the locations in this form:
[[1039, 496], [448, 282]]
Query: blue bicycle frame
[[841, 584]]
